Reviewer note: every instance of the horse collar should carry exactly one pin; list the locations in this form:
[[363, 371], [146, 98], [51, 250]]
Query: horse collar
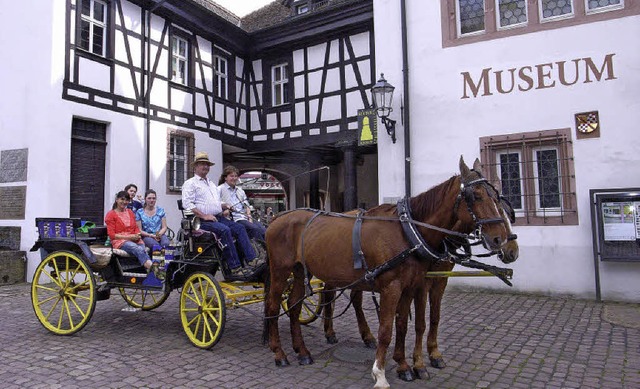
[[415, 239]]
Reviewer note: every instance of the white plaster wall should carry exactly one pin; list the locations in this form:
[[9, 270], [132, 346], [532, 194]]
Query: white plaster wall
[[553, 260]]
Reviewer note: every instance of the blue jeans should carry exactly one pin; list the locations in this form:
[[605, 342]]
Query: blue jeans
[[255, 230], [150, 242], [226, 230], [136, 250]]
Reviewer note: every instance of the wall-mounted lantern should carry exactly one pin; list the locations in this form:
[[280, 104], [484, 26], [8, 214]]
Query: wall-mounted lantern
[[382, 95]]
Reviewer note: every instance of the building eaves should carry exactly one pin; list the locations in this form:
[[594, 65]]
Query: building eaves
[[279, 12]]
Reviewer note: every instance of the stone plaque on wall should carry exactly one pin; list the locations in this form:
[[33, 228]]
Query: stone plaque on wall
[[13, 165], [9, 238], [12, 202]]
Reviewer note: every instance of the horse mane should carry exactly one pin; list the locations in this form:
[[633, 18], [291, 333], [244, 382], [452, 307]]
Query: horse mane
[[423, 204], [426, 203]]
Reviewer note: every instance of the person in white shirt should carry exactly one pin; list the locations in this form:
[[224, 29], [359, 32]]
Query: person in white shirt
[[201, 196], [236, 198]]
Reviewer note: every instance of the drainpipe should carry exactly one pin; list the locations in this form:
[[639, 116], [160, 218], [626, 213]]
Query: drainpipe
[[407, 106], [147, 91]]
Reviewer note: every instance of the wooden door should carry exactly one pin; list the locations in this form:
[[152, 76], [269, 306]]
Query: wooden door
[[88, 153]]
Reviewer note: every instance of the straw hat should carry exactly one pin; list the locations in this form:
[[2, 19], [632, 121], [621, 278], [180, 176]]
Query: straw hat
[[202, 156]]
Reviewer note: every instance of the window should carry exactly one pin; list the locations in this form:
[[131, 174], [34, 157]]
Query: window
[[279, 85], [179, 157], [555, 9], [478, 20], [593, 6], [511, 13], [470, 16], [301, 9], [93, 27], [535, 173], [179, 60], [221, 76]]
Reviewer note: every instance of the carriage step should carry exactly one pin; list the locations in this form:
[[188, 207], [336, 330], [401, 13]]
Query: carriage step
[[137, 275]]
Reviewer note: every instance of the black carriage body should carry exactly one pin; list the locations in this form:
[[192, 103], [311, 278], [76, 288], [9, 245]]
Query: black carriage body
[[193, 254]]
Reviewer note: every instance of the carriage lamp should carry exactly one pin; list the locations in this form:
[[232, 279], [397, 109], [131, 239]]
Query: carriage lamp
[[382, 95]]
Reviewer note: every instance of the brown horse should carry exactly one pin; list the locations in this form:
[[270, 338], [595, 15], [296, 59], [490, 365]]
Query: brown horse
[[434, 291], [304, 242]]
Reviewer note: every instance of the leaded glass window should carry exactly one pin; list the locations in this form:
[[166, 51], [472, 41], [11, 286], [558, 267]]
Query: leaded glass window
[[603, 5], [535, 172], [547, 178], [555, 9], [470, 16], [511, 178], [511, 13]]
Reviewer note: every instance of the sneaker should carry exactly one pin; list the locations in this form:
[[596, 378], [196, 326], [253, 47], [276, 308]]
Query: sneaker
[[255, 262], [159, 273], [240, 272]]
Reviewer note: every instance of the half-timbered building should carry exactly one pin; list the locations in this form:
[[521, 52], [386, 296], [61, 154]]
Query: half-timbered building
[[112, 92]]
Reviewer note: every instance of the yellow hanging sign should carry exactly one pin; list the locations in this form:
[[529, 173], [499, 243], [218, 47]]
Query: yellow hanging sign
[[367, 127]]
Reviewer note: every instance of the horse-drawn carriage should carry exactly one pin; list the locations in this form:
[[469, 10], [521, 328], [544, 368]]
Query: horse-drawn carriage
[[77, 269], [389, 249]]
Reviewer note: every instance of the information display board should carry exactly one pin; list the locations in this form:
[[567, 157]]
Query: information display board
[[617, 222]]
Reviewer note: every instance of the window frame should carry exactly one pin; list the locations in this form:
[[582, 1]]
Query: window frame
[[602, 9], [107, 26], [450, 22], [218, 76], [189, 144], [188, 77], [517, 25], [526, 145], [459, 22], [557, 17], [283, 84]]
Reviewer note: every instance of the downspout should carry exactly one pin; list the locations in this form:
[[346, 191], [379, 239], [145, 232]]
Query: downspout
[[147, 102], [407, 107]]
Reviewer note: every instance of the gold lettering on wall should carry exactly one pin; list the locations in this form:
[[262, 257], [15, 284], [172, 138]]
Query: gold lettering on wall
[[540, 76]]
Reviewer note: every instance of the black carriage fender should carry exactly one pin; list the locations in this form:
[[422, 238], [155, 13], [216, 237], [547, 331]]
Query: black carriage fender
[[57, 245]]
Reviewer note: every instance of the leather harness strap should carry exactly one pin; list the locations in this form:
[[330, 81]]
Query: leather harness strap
[[356, 242], [415, 239]]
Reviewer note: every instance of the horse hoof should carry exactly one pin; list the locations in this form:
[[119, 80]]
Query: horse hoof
[[282, 362], [306, 360], [421, 374], [332, 339], [406, 375], [370, 344], [438, 363]]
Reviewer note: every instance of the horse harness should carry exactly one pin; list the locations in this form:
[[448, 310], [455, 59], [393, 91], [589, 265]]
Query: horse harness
[[416, 241]]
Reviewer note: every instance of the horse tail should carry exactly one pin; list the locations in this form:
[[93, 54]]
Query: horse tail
[[267, 286]]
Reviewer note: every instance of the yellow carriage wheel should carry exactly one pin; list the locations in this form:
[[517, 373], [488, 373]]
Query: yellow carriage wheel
[[63, 293], [202, 310], [146, 300], [311, 306]]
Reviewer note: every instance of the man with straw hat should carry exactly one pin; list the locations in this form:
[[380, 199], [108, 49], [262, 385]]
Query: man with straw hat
[[201, 196]]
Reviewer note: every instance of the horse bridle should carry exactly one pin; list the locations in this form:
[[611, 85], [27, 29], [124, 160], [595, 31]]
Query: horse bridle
[[466, 193]]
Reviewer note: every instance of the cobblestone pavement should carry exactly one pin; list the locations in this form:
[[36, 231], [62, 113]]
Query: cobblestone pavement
[[489, 340]]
